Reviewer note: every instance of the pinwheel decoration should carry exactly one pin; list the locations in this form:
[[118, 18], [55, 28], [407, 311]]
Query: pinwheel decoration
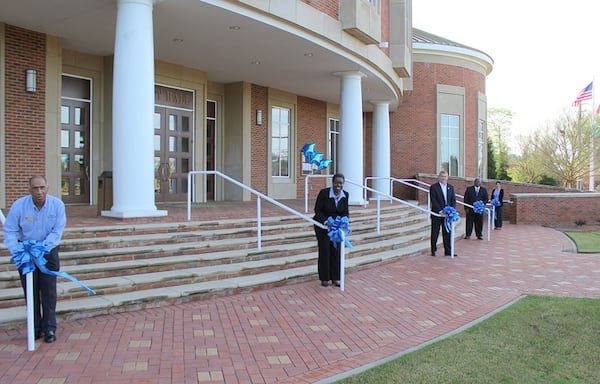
[[314, 158]]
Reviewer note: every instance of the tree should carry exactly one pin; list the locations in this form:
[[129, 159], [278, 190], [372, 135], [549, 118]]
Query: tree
[[559, 152], [499, 125], [491, 171]]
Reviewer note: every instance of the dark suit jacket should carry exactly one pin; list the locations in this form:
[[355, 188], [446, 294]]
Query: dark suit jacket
[[436, 197], [325, 206], [500, 196], [471, 197]]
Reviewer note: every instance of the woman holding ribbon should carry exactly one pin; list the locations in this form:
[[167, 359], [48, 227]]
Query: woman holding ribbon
[[497, 198], [331, 203]]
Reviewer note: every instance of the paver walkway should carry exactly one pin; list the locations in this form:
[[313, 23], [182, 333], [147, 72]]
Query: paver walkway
[[304, 333]]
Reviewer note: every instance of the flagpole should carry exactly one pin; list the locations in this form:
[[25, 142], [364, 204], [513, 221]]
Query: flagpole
[[592, 186]]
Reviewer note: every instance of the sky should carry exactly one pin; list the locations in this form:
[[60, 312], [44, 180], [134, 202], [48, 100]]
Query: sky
[[545, 52]]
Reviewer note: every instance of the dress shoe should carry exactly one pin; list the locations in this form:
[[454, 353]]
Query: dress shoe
[[38, 334], [324, 283], [447, 254], [467, 237], [433, 254], [50, 337], [479, 238], [336, 283]]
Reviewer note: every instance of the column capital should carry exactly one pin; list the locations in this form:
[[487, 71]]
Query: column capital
[[349, 74], [380, 102]]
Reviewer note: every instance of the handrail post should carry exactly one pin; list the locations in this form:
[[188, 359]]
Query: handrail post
[[342, 260], [378, 215], [306, 194], [259, 223], [452, 240]]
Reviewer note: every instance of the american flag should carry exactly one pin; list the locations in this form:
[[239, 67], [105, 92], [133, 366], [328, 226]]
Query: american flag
[[585, 94]]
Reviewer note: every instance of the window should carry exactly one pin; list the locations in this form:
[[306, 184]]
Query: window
[[334, 137], [481, 148], [450, 144], [280, 141]]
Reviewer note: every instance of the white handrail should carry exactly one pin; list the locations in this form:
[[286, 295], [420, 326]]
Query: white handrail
[[258, 201]]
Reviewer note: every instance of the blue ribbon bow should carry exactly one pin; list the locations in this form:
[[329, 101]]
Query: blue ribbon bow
[[451, 216], [30, 255], [339, 226], [478, 207], [495, 202]]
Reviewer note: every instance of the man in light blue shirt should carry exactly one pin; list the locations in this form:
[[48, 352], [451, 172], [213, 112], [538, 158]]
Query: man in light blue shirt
[[39, 216]]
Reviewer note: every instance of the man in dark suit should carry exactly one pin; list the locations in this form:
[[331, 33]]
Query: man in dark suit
[[475, 193], [441, 194]]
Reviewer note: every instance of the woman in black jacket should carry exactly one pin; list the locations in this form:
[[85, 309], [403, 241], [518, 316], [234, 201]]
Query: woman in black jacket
[[331, 202]]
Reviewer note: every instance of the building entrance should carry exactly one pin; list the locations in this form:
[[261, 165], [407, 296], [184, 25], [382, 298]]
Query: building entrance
[[173, 132], [75, 140]]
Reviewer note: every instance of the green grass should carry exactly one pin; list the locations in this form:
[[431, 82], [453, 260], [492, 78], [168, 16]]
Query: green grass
[[535, 340], [587, 242]]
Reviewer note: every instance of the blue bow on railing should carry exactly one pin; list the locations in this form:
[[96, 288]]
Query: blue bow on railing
[[478, 207], [451, 217], [338, 227], [31, 255], [495, 202]]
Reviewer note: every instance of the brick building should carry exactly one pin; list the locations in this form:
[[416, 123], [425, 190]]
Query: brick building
[[151, 90]]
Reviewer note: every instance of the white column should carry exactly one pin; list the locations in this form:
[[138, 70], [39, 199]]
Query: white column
[[380, 150], [133, 112], [351, 134]]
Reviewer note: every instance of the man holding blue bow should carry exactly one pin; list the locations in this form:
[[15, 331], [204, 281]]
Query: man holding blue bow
[[39, 217], [475, 193]]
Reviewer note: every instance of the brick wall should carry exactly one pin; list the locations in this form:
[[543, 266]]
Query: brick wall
[[532, 203], [555, 208], [328, 7], [413, 125], [312, 128], [259, 141], [25, 140]]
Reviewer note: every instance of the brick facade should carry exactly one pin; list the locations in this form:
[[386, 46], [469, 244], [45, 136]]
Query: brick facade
[[24, 111]]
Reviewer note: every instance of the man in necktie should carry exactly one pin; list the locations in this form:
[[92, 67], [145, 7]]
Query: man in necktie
[[474, 193]]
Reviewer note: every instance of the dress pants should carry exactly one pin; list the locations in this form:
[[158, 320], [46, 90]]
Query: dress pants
[[44, 294], [436, 224], [328, 263], [498, 217], [474, 219]]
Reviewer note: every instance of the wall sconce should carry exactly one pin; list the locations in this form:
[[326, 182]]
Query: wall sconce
[[258, 117], [30, 80]]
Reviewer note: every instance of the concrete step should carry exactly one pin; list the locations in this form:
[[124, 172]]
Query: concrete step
[[129, 273]]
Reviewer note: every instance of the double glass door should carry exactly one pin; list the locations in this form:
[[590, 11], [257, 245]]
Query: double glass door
[[172, 153]]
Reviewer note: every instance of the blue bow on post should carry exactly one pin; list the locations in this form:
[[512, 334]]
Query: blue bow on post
[[339, 226], [30, 256], [451, 217], [478, 207]]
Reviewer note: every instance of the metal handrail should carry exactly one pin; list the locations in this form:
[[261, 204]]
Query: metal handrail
[[259, 195], [378, 210]]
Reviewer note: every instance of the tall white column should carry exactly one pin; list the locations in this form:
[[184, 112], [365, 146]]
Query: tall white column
[[380, 151], [133, 112], [351, 134]]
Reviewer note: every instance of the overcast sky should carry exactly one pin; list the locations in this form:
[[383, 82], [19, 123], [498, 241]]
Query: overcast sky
[[545, 52]]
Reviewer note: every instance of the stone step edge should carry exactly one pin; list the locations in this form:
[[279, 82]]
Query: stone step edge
[[110, 303]]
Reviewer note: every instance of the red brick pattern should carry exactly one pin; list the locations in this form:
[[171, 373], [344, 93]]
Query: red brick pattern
[[25, 139], [328, 7], [260, 139], [303, 333]]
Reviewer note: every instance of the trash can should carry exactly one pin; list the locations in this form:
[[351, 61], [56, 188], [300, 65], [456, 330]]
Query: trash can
[[105, 192]]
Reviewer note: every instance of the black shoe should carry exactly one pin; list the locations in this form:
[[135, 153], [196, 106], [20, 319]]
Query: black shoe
[[467, 237], [479, 238], [325, 283], [50, 337], [447, 254], [336, 283], [37, 334], [433, 254]]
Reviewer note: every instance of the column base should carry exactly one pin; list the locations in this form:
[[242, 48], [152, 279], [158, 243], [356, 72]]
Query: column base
[[134, 213]]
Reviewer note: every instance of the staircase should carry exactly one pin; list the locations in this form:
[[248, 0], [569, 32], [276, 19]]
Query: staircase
[[135, 266]]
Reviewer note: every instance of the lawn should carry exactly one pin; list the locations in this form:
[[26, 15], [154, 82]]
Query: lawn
[[587, 242], [536, 340]]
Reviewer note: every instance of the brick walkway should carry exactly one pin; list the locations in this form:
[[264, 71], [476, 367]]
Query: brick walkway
[[303, 333]]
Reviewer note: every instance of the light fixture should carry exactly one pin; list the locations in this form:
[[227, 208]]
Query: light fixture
[[30, 80], [258, 117], [384, 44]]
